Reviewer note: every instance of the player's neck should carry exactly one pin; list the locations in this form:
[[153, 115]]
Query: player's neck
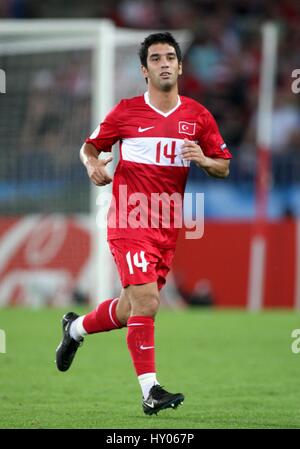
[[163, 101]]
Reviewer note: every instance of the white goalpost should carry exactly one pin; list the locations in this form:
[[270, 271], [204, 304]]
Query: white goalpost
[[263, 142], [105, 60]]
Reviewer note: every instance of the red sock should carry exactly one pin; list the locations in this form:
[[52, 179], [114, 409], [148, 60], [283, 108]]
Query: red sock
[[103, 318], [140, 342]]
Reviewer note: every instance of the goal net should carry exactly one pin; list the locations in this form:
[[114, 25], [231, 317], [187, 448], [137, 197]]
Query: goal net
[[62, 77]]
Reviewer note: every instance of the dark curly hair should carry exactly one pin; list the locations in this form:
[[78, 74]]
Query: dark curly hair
[[158, 38]]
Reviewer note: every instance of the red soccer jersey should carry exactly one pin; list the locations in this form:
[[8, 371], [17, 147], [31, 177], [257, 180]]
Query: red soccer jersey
[[151, 164]]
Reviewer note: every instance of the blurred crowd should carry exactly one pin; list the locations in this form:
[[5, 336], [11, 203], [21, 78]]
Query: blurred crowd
[[56, 118], [221, 67]]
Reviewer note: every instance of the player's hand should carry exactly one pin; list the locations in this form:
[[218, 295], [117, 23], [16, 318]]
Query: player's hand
[[97, 172], [193, 152]]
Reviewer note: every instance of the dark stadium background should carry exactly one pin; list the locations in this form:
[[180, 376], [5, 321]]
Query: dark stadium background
[[45, 242]]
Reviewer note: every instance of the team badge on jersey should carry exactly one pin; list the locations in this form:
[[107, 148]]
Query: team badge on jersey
[[187, 128]]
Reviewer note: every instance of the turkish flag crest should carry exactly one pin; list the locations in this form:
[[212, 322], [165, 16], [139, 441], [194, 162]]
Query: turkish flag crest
[[187, 128]]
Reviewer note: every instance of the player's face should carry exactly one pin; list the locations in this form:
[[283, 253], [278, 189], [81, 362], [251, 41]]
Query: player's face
[[163, 67]]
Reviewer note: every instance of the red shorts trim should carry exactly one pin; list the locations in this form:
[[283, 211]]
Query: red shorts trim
[[140, 262]]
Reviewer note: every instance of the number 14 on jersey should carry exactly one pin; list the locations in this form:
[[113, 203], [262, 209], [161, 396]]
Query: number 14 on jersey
[[142, 263]]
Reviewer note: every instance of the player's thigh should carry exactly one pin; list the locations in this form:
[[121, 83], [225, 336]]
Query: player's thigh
[[138, 300], [142, 292]]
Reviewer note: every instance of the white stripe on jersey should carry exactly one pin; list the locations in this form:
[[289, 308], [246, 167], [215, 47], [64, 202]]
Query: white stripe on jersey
[[154, 150], [135, 324]]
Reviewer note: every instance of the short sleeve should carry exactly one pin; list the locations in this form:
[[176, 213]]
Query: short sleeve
[[107, 133], [211, 141]]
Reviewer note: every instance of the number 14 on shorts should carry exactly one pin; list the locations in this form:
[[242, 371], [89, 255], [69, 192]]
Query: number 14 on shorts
[[138, 260]]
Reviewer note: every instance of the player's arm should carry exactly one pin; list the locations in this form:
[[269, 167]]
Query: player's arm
[[216, 167], [96, 168]]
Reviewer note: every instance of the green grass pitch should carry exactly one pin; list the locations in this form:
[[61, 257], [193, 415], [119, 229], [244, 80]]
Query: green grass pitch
[[236, 369]]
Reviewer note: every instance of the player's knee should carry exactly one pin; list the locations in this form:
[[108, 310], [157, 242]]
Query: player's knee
[[147, 305], [151, 308]]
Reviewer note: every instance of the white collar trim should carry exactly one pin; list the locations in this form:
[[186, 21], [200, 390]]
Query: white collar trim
[[165, 114]]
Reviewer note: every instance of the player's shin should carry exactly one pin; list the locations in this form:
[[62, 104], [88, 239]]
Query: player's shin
[[140, 342]]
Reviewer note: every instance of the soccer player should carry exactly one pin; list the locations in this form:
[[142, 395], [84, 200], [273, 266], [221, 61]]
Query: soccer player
[[160, 134]]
